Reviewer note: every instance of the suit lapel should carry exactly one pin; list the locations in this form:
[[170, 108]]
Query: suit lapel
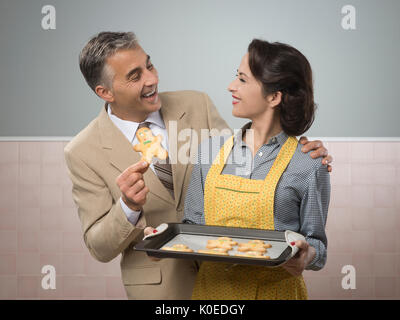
[[122, 155], [120, 151]]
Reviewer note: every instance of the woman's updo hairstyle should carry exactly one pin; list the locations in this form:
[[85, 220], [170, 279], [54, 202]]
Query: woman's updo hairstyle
[[280, 67]]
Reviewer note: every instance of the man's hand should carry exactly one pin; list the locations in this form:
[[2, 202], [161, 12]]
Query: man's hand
[[132, 186], [319, 151], [303, 257]]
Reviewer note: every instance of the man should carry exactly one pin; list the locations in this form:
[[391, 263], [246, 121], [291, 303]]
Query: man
[[117, 194]]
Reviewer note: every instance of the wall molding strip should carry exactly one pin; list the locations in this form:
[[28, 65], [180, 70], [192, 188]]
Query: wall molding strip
[[325, 139]]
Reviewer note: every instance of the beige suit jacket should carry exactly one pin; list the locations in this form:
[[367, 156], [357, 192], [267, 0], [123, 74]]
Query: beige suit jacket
[[95, 158]]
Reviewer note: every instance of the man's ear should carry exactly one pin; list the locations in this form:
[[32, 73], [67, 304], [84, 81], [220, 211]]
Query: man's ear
[[104, 93], [274, 99]]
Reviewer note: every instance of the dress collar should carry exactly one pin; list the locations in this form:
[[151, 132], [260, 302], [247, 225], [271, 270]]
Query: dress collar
[[279, 139]]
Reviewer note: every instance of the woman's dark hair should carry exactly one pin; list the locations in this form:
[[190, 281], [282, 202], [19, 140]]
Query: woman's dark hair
[[280, 67]]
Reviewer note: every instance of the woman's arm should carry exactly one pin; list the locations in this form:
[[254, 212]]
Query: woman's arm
[[313, 216], [314, 213], [194, 201]]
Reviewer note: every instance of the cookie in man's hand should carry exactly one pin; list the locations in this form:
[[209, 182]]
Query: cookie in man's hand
[[149, 145]]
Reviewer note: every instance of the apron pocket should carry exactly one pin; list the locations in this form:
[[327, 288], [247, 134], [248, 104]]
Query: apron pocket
[[238, 191]]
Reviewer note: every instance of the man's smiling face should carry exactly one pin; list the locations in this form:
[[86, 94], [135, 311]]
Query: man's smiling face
[[134, 84]]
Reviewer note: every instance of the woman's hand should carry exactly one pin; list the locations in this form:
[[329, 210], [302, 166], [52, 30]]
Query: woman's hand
[[147, 231], [303, 257]]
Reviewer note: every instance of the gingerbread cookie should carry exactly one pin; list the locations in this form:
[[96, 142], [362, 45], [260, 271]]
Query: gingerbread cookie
[[246, 247], [222, 242], [253, 245], [220, 251], [261, 243], [252, 254], [178, 247], [149, 145], [227, 240]]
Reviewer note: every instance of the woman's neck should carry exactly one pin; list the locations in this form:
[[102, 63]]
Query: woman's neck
[[264, 128]]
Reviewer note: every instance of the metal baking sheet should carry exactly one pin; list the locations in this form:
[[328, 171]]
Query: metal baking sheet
[[196, 236], [196, 243]]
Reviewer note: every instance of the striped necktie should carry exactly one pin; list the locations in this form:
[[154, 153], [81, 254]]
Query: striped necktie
[[162, 169]]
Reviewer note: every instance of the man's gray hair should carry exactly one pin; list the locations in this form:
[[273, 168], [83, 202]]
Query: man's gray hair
[[92, 59]]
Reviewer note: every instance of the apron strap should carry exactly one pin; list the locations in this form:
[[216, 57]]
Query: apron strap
[[279, 165], [220, 160], [271, 180]]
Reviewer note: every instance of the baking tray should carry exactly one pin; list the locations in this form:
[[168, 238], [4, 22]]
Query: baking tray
[[196, 236]]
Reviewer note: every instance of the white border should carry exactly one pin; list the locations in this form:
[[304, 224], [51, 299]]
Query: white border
[[325, 139]]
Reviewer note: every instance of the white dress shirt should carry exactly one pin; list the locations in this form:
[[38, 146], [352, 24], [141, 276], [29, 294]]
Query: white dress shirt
[[129, 128]]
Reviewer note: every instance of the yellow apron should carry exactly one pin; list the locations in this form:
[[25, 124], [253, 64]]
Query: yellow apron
[[239, 202]]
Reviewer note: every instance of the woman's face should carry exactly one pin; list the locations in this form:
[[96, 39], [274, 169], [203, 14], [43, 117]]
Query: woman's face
[[248, 99]]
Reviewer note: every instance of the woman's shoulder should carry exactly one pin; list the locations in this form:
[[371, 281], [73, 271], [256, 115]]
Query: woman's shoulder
[[304, 164]]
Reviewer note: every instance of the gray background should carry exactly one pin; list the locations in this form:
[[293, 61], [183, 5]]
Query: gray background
[[198, 45]]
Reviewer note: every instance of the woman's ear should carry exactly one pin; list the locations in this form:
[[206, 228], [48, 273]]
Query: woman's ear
[[274, 99]]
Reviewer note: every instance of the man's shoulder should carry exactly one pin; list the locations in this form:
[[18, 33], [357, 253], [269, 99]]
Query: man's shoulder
[[183, 94], [185, 98], [195, 104], [89, 136]]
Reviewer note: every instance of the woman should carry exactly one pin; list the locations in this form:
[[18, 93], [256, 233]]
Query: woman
[[259, 178]]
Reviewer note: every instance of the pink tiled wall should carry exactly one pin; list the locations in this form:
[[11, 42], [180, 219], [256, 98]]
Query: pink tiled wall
[[363, 222], [39, 226]]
